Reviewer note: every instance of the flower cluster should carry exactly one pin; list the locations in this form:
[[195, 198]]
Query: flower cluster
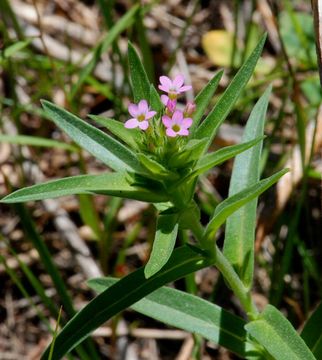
[[176, 122]]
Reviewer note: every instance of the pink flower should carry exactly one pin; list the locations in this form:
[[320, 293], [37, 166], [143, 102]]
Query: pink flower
[[177, 124], [173, 88], [141, 114]]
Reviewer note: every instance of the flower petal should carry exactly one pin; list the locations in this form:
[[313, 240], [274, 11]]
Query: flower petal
[[150, 114], [187, 122], [131, 123], [143, 106], [163, 88], [183, 132], [177, 117], [178, 81], [133, 110], [164, 99], [170, 132], [165, 82], [143, 125], [184, 88], [167, 122]]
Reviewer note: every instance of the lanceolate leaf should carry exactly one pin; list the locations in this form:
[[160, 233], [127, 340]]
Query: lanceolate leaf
[[212, 159], [129, 136], [235, 202], [95, 141], [139, 78], [189, 154], [141, 86], [155, 101], [156, 170], [240, 226], [312, 332], [209, 126], [166, 305], [183, 261], [115, 184], [163, 244], [277, 335], [203, 99]]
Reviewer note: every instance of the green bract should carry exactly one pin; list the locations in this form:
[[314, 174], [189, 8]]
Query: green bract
[[163, 170]]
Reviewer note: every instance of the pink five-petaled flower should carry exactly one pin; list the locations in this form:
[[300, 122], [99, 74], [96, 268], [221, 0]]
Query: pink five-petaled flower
[[141, 114], [173, 88], [177, 124]]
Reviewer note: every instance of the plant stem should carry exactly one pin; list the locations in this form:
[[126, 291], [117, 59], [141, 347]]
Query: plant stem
[[230, 275], [228, 272]]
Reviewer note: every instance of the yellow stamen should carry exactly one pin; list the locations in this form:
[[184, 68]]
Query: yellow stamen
[[176, 128]]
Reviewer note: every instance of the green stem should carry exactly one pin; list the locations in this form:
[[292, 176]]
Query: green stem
[[230, 275], [228, 272]]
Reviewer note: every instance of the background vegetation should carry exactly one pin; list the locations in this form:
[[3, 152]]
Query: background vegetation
[[73, 53]]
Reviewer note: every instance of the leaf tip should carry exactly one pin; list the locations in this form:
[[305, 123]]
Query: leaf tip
[[150, 270]]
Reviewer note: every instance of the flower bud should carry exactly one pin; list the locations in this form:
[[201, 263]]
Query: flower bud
[[189, 109]]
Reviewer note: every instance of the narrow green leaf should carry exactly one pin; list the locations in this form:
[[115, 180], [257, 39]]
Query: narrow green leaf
[[210, 160], [240, 226], [14, 48], [34, 282], [129, 136], [122, 24], [209, 126], [47, 262], [89, 215], [203, 99], [114, 184], [156, 170], [277, 335], [235, 202], [183, 261], [189, 154], [139, 79], [165, 305], [55, 335], [155, 101], [95, 141], [163, 244], [36, 141], [312, 332]]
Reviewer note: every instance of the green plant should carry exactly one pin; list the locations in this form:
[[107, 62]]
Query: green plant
[[161, 165]]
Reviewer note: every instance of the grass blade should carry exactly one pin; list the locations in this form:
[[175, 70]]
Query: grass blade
[[125, 22], [312, 334], [36, 141]]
